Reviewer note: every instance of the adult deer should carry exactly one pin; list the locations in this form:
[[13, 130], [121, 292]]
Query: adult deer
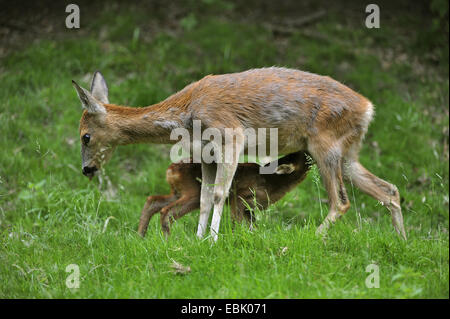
[[312, 113]]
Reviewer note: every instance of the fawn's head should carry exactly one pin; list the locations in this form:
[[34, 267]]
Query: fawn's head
[[294, 162], [97, 137]]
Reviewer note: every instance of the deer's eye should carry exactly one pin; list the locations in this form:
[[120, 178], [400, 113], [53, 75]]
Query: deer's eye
[[86, 138]]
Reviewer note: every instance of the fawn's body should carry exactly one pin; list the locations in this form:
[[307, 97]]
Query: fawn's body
[[249, 188], [312, 113]]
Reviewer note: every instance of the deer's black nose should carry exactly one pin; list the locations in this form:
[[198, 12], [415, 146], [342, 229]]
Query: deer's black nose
[[89, 171]]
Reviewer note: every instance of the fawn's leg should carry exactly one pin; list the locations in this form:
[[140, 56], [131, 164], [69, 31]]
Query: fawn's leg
[[250, 218], [249, 205], [177, 209], [239, 212], [236, 212], [164, 217], [206, 196], [246, 208], [181, 207], [153, 205], [379, 189]]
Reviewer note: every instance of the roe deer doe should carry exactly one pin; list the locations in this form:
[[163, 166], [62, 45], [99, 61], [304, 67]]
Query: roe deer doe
[[312, 113], [249, 188]]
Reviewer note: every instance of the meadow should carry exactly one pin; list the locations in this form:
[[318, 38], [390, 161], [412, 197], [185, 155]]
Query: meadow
[[51, 216]]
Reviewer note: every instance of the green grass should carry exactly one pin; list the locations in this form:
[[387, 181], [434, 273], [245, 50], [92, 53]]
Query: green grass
[[52, 216]]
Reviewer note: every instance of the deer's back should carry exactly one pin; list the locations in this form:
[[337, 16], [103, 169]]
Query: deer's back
[[300, 104]]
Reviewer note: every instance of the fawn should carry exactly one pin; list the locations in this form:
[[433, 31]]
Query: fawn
[[312, 113], [249, 188]]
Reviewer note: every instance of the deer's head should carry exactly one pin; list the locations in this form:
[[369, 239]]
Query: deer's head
[[97, 136]]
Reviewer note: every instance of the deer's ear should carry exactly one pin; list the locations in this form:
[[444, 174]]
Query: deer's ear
[[90, 103], [99, 89], [285, 169]]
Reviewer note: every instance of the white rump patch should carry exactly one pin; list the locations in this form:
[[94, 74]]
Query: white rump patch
[[368, 115]]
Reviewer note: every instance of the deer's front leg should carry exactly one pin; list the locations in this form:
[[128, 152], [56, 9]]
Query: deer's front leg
[[225, 173], [206, 196], [224, 179]]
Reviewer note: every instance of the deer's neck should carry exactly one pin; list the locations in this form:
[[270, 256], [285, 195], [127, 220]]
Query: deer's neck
[[151, 124]]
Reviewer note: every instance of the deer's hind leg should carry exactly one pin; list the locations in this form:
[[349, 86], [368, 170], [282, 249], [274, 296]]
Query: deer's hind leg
[[329, 161], [152, 206], [384, 192]]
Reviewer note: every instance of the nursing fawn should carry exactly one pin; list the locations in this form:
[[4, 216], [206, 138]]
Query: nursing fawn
[[249, 190], [310, 112]]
